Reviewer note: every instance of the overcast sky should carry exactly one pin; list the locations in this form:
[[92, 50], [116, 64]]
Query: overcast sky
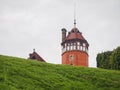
[[29, 24]]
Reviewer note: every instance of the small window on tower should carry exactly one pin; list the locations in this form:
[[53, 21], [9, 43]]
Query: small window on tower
[[67, 47], [71, 43], [65, 44], [74, 43], [71, 57], [80, 47], [83, 48], [84, 44], [78, 43], [86, 50], [71, 47], [74, 47]]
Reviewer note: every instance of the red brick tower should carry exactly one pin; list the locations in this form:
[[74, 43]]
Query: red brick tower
[[74, 48]]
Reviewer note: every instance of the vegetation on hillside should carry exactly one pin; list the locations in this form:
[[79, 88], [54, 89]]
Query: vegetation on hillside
[[109, 59], [22, 74]]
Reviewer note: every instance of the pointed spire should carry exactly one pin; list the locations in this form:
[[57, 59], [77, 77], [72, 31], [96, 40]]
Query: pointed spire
[[74, 14]]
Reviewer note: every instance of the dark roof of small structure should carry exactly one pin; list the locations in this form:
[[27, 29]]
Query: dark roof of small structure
[[36, 56]]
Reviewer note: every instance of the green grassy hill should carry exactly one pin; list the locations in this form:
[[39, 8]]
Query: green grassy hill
[[22, 74]]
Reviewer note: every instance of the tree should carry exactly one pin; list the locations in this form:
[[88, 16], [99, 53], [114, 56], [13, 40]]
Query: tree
[[115, 59], [103, 59], [109, 59]]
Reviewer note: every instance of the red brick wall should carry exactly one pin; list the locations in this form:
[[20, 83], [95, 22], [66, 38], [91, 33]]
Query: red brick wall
[[80, 58]]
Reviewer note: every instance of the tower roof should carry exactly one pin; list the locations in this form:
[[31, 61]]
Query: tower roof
[[75, 34]]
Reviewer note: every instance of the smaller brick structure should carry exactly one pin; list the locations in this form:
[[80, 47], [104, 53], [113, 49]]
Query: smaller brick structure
[[35, 56]]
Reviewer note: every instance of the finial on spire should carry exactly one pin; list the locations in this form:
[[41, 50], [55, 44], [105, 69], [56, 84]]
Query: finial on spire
[[74, 14], [74, 22], [34, 50]]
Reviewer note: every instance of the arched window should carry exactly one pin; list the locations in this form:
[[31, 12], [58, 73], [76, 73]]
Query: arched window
[[71, 58]]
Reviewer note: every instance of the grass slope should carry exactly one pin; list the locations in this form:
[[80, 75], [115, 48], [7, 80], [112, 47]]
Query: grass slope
[[18, 74]]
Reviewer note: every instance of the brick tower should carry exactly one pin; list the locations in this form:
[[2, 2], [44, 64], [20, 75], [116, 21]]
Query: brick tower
[[74, 47]]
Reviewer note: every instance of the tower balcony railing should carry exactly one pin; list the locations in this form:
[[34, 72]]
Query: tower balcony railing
[[71, 48]]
